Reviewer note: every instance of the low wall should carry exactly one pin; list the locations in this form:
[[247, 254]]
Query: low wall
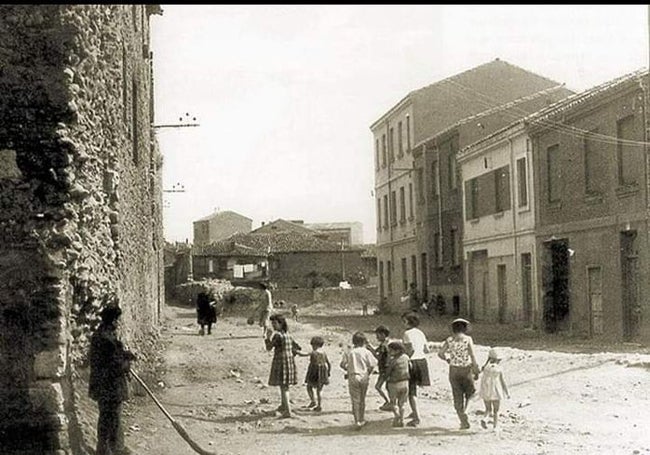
[[334, 296]]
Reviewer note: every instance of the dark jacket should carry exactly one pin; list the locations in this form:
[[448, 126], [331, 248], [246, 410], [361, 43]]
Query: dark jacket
[[109, 366], [206, 309]]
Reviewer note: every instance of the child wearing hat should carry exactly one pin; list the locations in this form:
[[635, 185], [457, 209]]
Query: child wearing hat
[[493, 387], [458, 352]]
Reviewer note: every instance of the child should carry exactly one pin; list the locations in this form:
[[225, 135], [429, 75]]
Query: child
[[283, 367], [415, 346], [458, 352], [381, 354], [294, 312], [263, 310], [358, 363], [318, 372], [493, 387], [397, 380]]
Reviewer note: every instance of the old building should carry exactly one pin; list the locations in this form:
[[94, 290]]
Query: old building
[[177, 264], [231, 259], [288, 258], [439, 189], [281, 225], [591, 167], [420, 116], [80, 210], [347, 233], [499, 228], [219, 226]]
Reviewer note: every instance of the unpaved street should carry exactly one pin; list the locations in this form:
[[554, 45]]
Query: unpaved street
[[215, 386]]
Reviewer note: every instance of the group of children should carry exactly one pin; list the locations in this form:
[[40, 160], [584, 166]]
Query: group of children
[[402, 367]]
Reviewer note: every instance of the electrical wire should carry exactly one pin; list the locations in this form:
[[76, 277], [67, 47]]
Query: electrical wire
[[489, 102]]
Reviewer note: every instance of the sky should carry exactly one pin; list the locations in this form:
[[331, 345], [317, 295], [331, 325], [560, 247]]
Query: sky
[[284, 95]]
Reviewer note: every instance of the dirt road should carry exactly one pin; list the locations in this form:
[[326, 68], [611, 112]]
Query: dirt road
[[215, 387]]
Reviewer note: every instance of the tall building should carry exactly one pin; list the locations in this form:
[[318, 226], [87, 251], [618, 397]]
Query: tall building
[[80, 210], [219, 226], [420, 115]]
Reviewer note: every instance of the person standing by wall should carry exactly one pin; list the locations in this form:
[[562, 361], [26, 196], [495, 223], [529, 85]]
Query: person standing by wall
[[110, 362]]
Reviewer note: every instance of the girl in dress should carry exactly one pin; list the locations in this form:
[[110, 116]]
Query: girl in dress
[[283, 367], [493, 387], [318, 372]]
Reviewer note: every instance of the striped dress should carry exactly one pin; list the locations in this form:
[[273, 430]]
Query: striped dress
[[283, 367]]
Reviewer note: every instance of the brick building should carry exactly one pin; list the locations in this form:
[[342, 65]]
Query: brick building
[[219, 226], [80, 210], [419, 116], [556, 208], [590, 162], [439, 182]]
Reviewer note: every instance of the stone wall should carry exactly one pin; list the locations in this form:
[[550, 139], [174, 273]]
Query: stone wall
[[80, 210]]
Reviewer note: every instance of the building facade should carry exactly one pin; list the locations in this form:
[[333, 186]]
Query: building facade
[[80, 210], [591, 163], [289, 259], [499, 228], [346, 233], [403, 255], [439, 190], [220, 226]]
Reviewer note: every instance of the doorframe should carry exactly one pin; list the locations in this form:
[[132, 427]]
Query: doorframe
[[588, 300]]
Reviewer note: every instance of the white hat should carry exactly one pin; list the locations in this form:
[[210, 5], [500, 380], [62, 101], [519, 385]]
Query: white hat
[[464, 321], [493, 354]]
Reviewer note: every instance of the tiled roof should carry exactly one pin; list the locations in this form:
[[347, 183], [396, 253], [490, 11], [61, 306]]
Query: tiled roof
[[579, 98], [277, 242], [500, 108], [562, 106], [445, 102], [229, 248], [221, 215], [281, 225]]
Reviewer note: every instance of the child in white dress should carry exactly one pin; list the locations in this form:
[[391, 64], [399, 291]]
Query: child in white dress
[[493, 387]]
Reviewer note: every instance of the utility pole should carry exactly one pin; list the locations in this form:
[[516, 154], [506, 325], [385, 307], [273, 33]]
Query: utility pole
[[342, 263]]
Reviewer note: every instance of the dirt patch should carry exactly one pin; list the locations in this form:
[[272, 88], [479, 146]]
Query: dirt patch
[[215, 386]]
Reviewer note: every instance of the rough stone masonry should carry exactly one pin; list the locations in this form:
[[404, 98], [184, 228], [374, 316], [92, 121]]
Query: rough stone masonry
[[80, 210]]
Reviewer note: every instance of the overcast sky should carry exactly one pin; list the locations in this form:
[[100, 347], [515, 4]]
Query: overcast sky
[[285, 95]]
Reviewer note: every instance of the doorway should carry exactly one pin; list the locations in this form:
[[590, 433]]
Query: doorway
[[555, 280], [478, 284], [527, 288], [502, 292], [595, 293], [630, 285]]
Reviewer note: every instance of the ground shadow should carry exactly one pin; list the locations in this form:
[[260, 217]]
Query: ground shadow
[[372, 428]]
